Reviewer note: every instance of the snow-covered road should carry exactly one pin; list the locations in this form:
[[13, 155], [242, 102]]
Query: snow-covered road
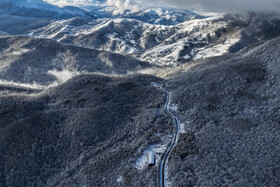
[[172, 144]]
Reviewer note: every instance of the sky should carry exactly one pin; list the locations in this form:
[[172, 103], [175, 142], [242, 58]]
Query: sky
[[208, 5]]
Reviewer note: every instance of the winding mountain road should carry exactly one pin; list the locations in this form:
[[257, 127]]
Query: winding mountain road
[[172, 144]]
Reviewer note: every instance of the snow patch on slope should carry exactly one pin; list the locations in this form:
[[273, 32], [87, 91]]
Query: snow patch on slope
[[216, 50], [193, 34], [34, 85], [142, 161]]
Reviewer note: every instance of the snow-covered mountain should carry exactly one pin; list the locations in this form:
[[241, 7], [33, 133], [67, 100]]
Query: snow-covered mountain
[[159, 16], [20, 16], [40, 9], [164, 45], [162, 16], [158, 44], [36, 4]]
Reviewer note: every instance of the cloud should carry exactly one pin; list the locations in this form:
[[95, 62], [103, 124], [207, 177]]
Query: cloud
[[209, 5], [122, 5], [64, 75], [78, 3], [226, 5]]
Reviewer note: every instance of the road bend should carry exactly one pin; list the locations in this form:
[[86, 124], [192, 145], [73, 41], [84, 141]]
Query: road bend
[[171, 145]]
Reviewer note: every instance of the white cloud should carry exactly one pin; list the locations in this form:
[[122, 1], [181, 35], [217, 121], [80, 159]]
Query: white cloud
[[121, 5], [211, 5], [118, 6], [226, 5], [78, 3], [63, 76]]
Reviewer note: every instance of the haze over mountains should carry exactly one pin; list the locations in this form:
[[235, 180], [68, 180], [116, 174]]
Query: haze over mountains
[[83, 94]]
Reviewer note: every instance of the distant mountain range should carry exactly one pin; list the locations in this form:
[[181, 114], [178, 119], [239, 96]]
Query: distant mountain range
[[159, 16], [21, 16], [164, 45], [40, 9]]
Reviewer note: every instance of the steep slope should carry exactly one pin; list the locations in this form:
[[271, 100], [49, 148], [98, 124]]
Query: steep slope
[[42, 61], [88, 131], [231, 107]]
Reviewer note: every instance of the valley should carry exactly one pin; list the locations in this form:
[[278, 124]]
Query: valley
[[99, 96]]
